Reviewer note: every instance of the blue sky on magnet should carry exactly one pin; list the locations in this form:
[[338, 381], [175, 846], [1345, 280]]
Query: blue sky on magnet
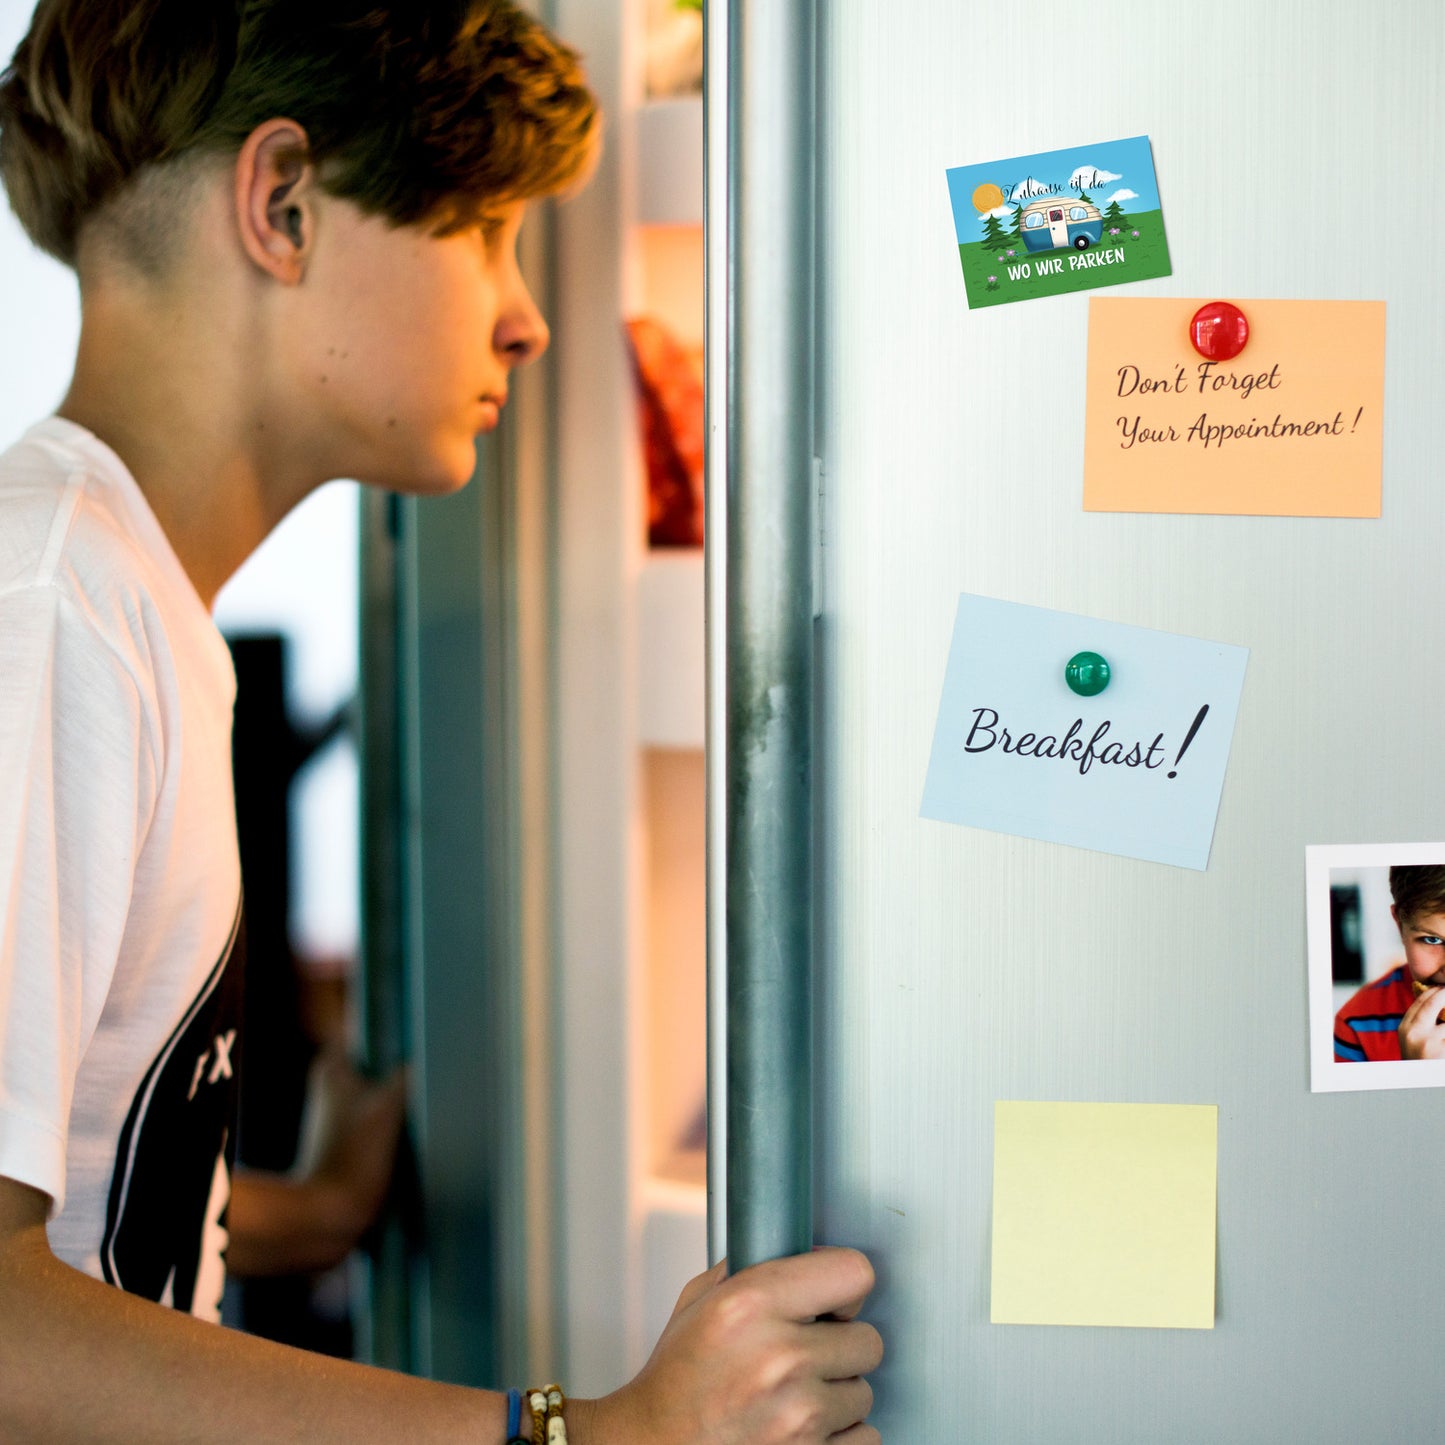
[[1111, 169]]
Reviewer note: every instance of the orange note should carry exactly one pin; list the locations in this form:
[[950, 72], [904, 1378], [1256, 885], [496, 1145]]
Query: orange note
[[1291, 427]]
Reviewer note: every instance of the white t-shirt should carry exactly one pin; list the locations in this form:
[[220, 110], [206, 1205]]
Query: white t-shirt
[[120, 956]]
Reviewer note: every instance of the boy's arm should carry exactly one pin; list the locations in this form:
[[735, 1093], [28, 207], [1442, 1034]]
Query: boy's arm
[[81, 1361], [280, 1225], [745, 1361]]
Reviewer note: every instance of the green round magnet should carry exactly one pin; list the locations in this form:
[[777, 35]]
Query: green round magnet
[[1087, 674]]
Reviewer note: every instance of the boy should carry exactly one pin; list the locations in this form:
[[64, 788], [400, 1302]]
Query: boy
[[293, 224], [1398, 1016]]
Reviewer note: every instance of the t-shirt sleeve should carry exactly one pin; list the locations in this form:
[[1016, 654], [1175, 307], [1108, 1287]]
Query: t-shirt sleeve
[[1349, 1049], [76, 786]]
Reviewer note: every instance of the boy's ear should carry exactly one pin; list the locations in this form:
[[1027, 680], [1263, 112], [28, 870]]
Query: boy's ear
[[273, 199], [1395, 914]]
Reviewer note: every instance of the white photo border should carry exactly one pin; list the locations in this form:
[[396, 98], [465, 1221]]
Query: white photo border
[[1328, 1076]]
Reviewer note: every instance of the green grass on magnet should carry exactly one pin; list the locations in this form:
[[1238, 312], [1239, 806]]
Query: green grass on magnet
[[1145, 256]]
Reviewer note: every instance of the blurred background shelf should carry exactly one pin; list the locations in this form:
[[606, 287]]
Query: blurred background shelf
[[669, 162], [630, 881], [670, 649], [674, 1245]]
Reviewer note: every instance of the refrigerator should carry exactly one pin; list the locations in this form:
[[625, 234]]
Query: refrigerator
[[880, 981], [957, 967]]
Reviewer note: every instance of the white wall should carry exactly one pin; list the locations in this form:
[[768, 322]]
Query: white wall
[[40, 319], [303, 583]]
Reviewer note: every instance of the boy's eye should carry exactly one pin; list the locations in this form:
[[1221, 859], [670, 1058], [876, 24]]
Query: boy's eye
[[1430, 938]]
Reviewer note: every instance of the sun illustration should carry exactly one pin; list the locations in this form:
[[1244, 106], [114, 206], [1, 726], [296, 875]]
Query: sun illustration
[[987, 197]]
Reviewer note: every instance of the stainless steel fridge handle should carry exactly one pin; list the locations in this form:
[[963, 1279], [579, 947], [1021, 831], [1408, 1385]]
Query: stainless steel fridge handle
[[766, 788]]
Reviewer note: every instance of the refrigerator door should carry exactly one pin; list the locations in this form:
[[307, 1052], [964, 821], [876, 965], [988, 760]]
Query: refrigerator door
[[958, 967]]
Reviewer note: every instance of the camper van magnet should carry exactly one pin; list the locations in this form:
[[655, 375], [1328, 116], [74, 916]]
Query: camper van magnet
[[1058, 221]]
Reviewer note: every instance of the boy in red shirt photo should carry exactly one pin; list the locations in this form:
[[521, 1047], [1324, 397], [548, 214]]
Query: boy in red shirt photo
[[1398, 1016]]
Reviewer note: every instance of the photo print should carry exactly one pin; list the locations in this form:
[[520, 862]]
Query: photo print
[[1376, 965]]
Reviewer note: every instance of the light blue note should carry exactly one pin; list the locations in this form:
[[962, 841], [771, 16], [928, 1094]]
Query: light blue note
[[1128, 771]]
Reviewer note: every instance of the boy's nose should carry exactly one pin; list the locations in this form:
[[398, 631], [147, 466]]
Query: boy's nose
[[522, 332]]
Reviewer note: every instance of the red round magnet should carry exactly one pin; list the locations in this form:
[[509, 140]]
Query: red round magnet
[[1219, 331]]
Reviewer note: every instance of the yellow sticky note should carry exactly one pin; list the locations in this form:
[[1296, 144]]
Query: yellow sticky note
[[1104, 1214], [1291, 427]]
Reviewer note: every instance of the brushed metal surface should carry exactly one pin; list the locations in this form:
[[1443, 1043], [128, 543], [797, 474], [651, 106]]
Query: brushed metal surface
[[1292, 143]]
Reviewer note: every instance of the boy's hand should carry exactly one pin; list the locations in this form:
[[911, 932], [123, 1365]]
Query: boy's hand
[[349, 1133], [1422, 1035], [310, 1219], [772, 1356]]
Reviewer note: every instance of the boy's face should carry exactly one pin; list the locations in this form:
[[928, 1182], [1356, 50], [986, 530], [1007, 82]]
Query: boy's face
[[1424, 940], [405, 344]]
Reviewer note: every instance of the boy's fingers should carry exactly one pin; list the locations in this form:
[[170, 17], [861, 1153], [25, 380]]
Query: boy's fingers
[[849, 1310], [847, 1350], [829, 1281], [1432, 998], [848, 1403]]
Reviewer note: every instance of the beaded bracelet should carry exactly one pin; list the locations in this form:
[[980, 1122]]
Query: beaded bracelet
[[548, 1427]]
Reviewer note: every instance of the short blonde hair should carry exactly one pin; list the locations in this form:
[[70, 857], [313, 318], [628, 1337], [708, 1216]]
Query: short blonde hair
[[425, 111]]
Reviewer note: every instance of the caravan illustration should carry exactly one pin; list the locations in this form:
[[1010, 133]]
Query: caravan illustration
[[1057, 221]]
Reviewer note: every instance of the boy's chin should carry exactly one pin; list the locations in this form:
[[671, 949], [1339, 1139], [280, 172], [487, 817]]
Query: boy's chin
[[437, 472]]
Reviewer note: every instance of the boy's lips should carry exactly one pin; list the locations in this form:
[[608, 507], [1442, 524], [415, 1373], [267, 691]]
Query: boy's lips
[[492, 405]]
